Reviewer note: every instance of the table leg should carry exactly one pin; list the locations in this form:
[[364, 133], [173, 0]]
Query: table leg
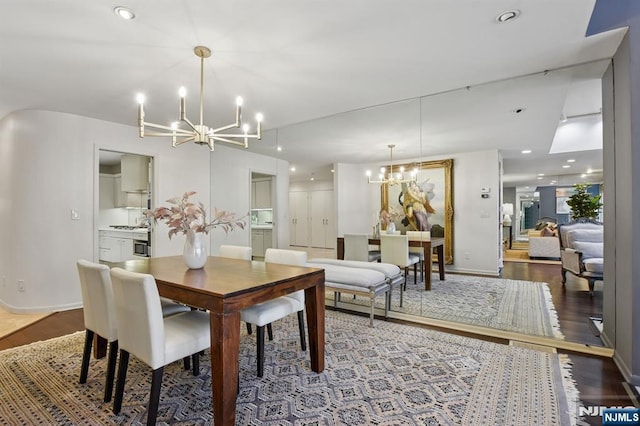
[[224, 366], [99, 347], [428, 264], [314, 302], [440, 252], [340, 248]]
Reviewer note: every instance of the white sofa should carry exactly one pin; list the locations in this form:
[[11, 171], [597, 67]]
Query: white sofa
[[543, 247]]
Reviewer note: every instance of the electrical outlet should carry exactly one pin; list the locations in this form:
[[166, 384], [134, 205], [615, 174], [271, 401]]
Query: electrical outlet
[[20, 285]]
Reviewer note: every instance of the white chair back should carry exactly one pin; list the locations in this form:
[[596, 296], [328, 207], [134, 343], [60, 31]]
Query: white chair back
[[394, 249], [288, 257], [139, 316], [418, 236], [356, 247], [236, 252], [97, 299]]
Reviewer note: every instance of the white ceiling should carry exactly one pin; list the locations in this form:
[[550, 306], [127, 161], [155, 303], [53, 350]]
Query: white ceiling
[[446, 77]]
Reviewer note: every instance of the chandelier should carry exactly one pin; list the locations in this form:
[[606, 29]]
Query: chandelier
[[200, 133], [391, 178]]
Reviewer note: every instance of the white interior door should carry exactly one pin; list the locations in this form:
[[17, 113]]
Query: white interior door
[[322, 219], [299, 210]]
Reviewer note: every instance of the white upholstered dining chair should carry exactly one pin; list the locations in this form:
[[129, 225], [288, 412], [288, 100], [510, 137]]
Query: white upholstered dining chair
[[394, 249], [263, 314], [99, 317], [356, 247], [150, 337], [419, 251]]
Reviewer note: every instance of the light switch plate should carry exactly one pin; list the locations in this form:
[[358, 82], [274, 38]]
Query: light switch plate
[[75, 215]]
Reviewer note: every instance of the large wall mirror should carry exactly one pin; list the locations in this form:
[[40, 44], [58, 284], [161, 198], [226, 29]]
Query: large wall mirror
[[431, 130]]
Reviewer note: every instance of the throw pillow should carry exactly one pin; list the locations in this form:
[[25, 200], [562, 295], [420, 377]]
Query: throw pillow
[[547, 232], [589, 250]]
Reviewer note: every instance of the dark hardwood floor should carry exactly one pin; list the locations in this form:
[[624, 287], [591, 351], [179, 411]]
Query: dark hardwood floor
[[598, 379]]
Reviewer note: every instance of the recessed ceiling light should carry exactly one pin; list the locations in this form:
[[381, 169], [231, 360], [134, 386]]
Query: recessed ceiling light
[[583, 175], [589, 171], [124, 13], [333, 171], [540, 174], [293, 169], [539, 178], [566, 166], [571, 160], [507, 16], [279, 148], [526, 151]]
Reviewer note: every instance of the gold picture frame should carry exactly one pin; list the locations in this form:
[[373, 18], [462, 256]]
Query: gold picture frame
[[426, 204]]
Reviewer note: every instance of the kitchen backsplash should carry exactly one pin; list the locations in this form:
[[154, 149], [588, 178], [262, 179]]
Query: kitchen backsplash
[[262, 217], [120, 216]]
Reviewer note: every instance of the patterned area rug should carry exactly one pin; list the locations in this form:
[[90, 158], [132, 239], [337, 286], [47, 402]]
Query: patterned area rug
[[509, 305], [388, 375]]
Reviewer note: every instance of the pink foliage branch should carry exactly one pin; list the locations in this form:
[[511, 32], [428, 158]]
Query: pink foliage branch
[[183, 216]]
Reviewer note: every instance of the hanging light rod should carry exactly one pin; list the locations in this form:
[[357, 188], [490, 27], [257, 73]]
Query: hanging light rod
[[392, 179], [200, 133]]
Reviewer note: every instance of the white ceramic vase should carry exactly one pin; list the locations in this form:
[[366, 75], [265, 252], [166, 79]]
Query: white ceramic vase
[[195, 250]]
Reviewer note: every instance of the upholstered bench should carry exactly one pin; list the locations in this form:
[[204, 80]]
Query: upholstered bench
[[360, 278]]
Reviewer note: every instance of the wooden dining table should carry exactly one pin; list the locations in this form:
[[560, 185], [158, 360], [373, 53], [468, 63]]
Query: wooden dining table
[[224, 287], [427, 245]]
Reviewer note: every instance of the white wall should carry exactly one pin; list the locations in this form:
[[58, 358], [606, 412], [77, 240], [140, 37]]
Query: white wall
[[357, 202], [50, 166]]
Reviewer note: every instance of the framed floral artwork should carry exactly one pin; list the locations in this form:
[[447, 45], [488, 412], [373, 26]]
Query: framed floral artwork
[[425, 204]]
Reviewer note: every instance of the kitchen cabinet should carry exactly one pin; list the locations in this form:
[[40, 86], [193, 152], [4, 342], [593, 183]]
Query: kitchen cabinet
[[323, 232], [135, 173], [115, 246], [105, 190], [119, 196], [261, 194], [261, 240], [299, 218]]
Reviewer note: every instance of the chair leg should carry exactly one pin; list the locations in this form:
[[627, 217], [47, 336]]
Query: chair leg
[[111, 370], [303, 341], [406, 272], [592, 284], [86, 355], [564, 277], [196, 364], [154, 397], [260, 349], [270, 331], [122, 375], [187, 363], [415, 273], [249, 328]]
